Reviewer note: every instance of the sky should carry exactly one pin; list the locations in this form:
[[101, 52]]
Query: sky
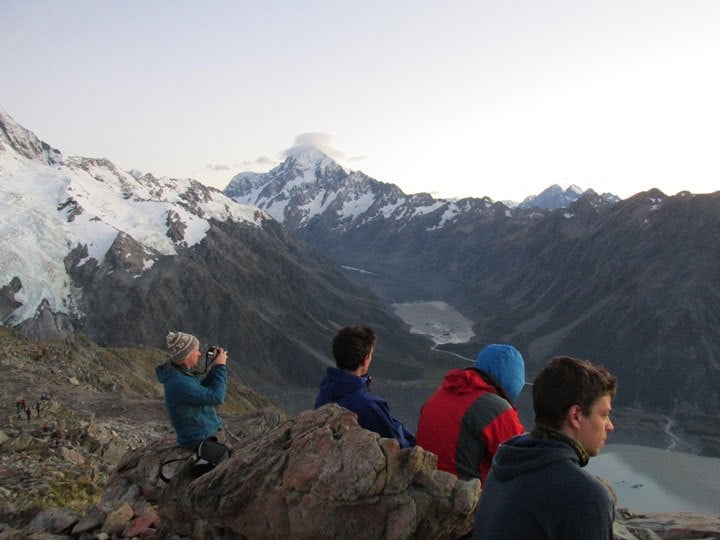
[[461, 98]]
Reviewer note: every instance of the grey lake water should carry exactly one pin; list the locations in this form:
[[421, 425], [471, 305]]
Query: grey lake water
[[655, 480], [645, 479]]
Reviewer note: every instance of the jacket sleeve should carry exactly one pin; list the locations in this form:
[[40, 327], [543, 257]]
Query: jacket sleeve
[[210, 391], [376, 416]]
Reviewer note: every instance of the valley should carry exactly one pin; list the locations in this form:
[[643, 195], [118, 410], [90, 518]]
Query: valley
[[632, 426]]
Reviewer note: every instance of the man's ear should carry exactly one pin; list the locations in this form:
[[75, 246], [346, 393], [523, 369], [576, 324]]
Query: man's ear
[[573, 416], [366, 360], [365, 364]]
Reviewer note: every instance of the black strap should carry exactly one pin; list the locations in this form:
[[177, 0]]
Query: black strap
[[160, 472]]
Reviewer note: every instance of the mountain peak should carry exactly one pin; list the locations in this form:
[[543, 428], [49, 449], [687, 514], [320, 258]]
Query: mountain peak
[[306, 153], [24, 142], [555, 197]]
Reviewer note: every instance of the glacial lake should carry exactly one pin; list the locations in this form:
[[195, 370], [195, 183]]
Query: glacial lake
[[655, 480]]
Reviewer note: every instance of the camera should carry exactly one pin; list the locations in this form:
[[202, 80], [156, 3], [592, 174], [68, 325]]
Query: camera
[[212, 353]]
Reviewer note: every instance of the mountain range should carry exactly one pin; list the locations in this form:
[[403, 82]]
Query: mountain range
[[88, 248], [273, 265], [555, 197], [631, 284]]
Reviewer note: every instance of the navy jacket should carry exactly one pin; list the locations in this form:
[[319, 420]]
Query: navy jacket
[[190, 401], [350, 391], [536, 490]]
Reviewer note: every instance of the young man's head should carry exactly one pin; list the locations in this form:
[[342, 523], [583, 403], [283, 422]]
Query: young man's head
[[574, 396], [352, 348]]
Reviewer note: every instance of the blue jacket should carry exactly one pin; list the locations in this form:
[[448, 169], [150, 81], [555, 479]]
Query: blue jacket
[[350, 391], [536, 490], [190, 401]]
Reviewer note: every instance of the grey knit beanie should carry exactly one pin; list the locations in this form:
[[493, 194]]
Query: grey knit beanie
[[180, 344]]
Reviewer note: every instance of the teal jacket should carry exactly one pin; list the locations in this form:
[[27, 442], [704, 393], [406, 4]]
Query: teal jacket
[[190, 401]]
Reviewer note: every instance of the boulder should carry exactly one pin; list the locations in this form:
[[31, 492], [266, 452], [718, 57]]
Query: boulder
[[320, 475], [54, 521]]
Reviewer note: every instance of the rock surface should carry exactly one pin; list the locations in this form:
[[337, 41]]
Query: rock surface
[[320, 475]]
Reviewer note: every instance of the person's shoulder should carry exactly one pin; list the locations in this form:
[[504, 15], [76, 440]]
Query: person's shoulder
[[585, 486], [594, 483], [364, 401]]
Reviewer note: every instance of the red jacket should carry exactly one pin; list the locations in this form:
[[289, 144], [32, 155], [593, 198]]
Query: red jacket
[[464, 422]]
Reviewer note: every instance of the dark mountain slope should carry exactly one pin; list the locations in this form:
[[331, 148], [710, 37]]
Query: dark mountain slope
[[636, 288], [271, 301]]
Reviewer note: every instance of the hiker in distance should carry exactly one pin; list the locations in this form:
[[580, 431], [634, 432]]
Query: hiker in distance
[[537, 488], [190, 399], [347, 385], [472, 412]]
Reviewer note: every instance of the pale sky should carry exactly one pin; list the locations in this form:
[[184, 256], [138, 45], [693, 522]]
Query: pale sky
[[458, 98]]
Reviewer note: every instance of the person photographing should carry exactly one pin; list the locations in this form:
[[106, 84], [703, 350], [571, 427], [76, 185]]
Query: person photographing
[[190, 398]]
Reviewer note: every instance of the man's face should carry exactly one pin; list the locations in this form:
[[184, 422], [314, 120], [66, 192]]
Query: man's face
[[192, 358], [595, 427]]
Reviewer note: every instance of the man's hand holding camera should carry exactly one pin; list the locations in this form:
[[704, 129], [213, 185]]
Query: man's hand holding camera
[[217, 356]]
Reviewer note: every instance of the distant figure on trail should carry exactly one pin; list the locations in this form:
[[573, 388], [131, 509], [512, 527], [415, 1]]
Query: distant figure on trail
[[190, 400], [348, 385], [472, 412], [537, 488], [28, 411], [37, 408]]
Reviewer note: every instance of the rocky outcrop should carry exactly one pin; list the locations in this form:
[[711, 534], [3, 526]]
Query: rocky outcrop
[[87, 465], [318, 475], [665, 526]]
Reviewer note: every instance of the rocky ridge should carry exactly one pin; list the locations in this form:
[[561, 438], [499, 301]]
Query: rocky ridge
[[87, 467], [102, 403]]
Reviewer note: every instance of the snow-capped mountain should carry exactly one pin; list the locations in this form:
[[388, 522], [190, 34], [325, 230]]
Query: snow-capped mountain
[[364, 223], [53, 204], [126, 257], [309, 186], [556, 197]]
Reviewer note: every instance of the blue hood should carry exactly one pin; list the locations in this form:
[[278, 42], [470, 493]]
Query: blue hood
[[506, 365]]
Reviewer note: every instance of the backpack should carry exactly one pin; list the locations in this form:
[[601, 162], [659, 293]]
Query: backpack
[[207, 456]]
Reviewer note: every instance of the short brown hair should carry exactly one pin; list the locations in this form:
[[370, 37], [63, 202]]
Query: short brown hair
[[351, 345], [566, 381]]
